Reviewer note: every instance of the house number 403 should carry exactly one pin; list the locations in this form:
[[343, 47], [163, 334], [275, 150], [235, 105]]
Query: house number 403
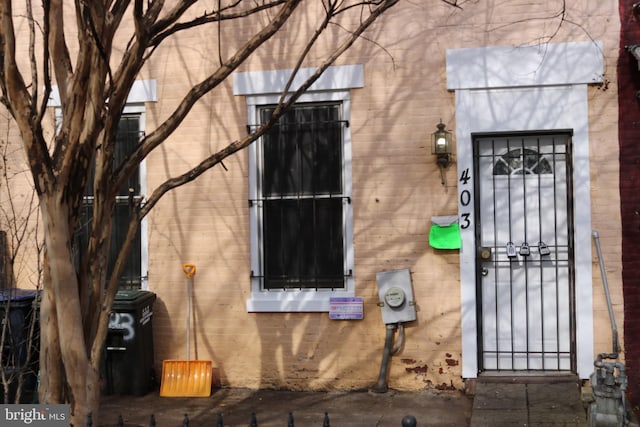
[[465, 199]]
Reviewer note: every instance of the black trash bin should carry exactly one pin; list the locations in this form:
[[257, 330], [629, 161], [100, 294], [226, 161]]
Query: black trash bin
[[20, 347], [128, 366]]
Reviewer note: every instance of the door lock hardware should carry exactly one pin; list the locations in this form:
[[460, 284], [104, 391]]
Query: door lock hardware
[[511, 250], [484, 271], [543, 248], [524, 249], [484, 252]]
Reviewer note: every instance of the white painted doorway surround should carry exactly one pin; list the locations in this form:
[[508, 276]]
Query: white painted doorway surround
[[518, 89]]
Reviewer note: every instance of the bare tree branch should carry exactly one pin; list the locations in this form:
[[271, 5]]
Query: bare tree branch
[[32, 54], [18, 100], [61, 59], [285, 102], [93, 95], [170, 26], [143, 208], [45, 63], [155, 138]]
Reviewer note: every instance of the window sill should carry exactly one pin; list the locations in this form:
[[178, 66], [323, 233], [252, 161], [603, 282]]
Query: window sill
[[293, 301]]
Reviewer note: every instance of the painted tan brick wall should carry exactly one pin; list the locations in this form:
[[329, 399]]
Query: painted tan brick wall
[[396, 191]]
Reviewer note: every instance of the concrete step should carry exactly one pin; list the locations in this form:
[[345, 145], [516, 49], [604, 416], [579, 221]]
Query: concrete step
[[531, 402]]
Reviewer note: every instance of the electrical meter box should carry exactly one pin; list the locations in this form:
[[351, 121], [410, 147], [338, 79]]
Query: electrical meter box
[[396, 296]]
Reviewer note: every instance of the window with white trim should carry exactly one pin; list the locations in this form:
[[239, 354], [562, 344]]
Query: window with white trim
[[130, 131], [301, 198], [300, 206], [131, 128], [300, 211]]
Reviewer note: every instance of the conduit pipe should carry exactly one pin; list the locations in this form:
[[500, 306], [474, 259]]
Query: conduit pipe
[[382, 385]]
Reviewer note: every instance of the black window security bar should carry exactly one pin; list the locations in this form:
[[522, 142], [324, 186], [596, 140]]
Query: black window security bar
[[301, 199], [128, 136], [254, 127], [302, 242]]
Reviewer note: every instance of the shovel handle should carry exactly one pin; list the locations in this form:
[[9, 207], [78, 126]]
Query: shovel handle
[[189, 270]]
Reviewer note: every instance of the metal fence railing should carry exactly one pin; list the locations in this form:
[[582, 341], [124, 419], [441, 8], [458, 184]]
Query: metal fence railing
[[407, 421]]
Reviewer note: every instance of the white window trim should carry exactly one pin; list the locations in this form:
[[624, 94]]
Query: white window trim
[[519, 89], [141, 91], [330, 89], [144, 224]]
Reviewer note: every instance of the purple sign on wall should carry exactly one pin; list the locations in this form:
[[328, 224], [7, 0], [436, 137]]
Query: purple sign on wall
[[346, 308]]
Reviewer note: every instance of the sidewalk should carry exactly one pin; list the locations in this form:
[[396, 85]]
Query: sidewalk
[[496, 402], [353, 409]]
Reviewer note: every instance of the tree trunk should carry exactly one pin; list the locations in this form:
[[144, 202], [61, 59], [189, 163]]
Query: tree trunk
[[62, 318], [51, 387]]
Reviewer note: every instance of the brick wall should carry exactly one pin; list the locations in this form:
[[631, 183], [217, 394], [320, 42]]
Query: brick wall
[[629, 125], [396, 190]]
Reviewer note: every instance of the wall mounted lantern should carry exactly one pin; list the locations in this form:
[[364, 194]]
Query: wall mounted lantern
[[441, 147]]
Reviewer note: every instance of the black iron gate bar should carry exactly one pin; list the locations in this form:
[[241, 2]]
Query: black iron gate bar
[[528, 352], [555, 157]]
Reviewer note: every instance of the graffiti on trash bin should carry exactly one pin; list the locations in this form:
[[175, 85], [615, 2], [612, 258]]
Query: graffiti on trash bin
[[124, 322]]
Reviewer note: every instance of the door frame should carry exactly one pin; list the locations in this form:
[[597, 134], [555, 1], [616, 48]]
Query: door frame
[[525, 88]]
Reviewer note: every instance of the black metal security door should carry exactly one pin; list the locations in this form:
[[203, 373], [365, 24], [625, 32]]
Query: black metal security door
[[525, 289]]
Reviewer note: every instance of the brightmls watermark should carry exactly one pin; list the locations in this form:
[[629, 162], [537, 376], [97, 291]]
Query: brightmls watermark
[[34, 415]]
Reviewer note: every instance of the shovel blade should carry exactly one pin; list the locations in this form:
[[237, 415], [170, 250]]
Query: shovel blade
[[186, 378]]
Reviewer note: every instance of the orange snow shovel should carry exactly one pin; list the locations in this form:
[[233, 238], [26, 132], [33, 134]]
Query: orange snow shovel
[[186, 378]]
